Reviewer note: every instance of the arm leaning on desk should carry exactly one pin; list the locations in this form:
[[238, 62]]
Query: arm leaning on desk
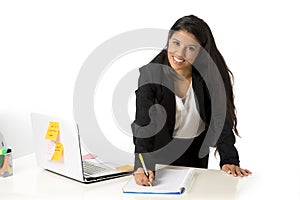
[[31, 182]]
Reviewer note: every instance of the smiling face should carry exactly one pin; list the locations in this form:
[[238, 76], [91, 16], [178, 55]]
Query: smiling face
[[183, 49]]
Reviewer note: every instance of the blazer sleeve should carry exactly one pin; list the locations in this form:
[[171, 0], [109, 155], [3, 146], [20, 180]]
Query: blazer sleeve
[[225, 145], [143, 137], [225, 142]]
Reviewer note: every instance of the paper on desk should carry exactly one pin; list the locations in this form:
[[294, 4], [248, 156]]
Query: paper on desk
[[167, 181]]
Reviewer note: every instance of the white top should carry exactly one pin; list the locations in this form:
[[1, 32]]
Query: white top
[[188, 122]]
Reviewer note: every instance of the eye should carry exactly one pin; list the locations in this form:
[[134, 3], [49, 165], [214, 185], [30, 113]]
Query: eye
[[191, 49], [177, 43]]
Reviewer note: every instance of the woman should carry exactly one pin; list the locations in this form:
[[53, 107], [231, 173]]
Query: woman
[[174, 104]]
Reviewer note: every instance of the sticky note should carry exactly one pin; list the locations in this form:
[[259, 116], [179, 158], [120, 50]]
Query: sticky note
[[88, 156], [3, 151], [50, 149], [53, 131], [125, 168], [59, 148]]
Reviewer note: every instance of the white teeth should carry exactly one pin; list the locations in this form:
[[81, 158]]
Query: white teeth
[[177, 60]]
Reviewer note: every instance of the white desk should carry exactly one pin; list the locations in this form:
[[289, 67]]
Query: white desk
[[31, 182]]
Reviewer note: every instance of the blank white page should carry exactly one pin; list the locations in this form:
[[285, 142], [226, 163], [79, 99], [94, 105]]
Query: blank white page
[[167, 181]]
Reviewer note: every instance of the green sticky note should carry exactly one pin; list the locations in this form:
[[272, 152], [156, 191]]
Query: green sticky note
[[1, 160], [4, 150]]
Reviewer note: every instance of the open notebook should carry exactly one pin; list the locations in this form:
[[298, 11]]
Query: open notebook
[[167, 181]]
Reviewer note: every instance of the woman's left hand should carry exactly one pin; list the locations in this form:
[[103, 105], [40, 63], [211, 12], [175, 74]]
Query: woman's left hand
[[235, 170]]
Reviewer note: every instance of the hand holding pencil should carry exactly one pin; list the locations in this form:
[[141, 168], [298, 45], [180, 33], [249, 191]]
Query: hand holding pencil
[[143, 176]]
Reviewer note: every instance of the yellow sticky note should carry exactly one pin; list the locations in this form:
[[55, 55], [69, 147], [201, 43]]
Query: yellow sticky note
[[59, 148], [53, 131], [125, 168]]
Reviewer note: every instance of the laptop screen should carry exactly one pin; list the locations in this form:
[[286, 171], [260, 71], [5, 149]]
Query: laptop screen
[[58, 149]]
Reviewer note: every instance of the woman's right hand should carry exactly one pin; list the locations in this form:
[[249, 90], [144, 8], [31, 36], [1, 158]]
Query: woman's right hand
[[141, 178]]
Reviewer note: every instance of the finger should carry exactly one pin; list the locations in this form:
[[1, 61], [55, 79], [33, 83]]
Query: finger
[[244, 172], [232, 170], [140, 177], [151, 176], [226, 169], [248, 172], [238, 171]]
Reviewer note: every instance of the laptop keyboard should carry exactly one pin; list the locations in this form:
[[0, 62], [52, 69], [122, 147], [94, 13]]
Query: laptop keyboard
[[92, 168]]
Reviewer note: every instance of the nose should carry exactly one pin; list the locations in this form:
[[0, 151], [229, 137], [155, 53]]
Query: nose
[[180, 51]]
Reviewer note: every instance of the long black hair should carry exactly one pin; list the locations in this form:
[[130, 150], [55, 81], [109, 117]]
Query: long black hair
[[203, 34]]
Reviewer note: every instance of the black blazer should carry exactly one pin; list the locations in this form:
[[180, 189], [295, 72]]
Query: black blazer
[[152, 133]]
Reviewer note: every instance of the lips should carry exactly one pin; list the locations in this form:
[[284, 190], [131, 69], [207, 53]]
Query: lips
[[178, 60]]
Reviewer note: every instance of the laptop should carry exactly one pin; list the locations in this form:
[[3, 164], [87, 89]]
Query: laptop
[[70, 162]]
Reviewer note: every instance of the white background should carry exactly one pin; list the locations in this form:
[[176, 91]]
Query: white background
[[44, 43]]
